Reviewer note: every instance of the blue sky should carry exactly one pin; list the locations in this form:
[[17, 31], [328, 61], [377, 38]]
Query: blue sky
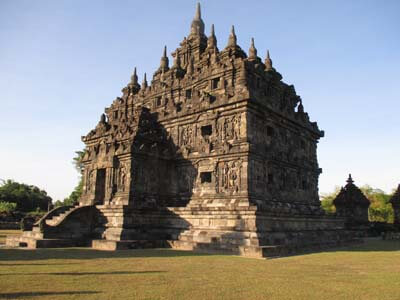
[[62, 62]]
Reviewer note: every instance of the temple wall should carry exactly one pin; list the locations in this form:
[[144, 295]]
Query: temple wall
[[282, 160]]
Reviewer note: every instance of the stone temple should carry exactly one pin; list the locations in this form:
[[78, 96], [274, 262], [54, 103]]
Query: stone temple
[[215, 154]]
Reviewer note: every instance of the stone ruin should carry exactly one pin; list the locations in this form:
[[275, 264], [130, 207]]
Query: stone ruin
[[215, 154]]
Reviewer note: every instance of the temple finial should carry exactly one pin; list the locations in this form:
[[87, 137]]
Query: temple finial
[[134, 86], [350, 180], [212, 40], [164, 63], [144, 83], [197, 27], [197, 15], [268, 62], [134, 78], [232, 38], [252, 50]]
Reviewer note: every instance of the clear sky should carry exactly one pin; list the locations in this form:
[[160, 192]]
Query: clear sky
[[62, 62]]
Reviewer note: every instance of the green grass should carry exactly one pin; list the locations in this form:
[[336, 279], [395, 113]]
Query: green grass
[[369, 271], [3, 234]]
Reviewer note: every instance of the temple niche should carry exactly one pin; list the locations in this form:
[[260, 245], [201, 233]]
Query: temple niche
[[214, 153]]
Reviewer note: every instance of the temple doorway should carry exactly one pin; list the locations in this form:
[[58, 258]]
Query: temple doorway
[[100, 191]]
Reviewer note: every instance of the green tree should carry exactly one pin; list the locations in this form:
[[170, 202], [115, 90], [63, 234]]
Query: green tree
[[73, 198], [380, 209], [26, 197], [7, 207], [327, 201]]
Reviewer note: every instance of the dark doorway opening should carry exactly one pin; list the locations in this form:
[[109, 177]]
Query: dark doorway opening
[[100, 186]]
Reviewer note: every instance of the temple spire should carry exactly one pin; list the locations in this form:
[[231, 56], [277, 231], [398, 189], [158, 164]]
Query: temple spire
[[197, 27], [232, 38], [134, 78], [212, 40], [350, 180], [134, 86], [252, 50], [164, 63], [268, 62], [144, 83], [197, 15]]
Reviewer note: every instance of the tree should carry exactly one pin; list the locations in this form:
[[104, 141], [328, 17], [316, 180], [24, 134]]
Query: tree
[[73, 198], [26, 197], [327, 201], [380, 209]]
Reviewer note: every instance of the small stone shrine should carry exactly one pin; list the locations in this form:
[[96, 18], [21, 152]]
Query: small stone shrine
[[351, 204], [216, 154]]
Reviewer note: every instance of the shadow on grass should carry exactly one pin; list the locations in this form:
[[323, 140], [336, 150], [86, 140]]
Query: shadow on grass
[[370, 245], [375, 245], [38, 294], [34, 264], [88, 253], [85, 273]]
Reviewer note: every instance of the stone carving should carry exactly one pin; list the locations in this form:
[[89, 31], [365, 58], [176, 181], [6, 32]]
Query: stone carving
[[186, 135], [90, 182], [230, 128], [230, 174], [121, 178]]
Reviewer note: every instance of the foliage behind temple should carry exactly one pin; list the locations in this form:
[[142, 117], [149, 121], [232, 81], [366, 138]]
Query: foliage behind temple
[[25, 197], [380, 209]]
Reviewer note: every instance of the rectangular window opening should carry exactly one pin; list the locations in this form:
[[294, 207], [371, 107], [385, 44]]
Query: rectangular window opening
[[270, 178], [304, 184], [158, 101], [205, 177], [188, 94], [270, 131], [206, 130], [215, 83]]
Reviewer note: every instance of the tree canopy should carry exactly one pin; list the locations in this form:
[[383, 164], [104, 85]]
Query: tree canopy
[[26, 197], [76, 193]]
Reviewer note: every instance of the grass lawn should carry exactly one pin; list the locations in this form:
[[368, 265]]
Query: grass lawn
[[370, 271]]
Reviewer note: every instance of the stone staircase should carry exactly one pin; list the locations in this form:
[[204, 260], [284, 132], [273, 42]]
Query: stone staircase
[[48, 231], [60, 216]]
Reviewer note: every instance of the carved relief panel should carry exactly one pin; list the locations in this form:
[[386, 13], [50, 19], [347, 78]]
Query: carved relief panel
[[229, 128], [230, 176]]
